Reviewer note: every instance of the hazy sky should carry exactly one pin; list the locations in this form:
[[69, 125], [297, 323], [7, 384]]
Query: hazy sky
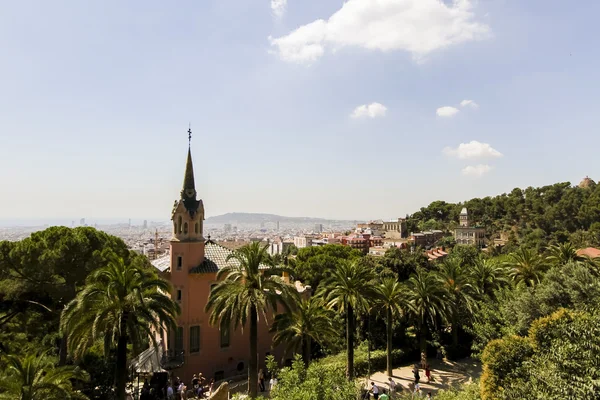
[[363, 109]]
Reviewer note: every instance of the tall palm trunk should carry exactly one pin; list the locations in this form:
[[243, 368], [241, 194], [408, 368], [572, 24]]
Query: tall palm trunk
[[454, 323], [422, 328], [121, 369], [389, 341], [350, 343], [306, 350], [253, 363]]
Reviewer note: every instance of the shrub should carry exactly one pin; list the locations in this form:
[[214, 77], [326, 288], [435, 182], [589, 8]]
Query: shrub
[[361, 360]]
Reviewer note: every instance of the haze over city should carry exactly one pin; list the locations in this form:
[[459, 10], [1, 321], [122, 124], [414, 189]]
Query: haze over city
[[298, 108]]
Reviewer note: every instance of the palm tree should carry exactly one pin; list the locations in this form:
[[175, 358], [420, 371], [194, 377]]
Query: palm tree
[[249, 288], [392, 299], [120, 303], [487, 276], [348, 289], [526, 266], [36, 378], [459, 291], [309, 321], [425, 301], [561, 254]]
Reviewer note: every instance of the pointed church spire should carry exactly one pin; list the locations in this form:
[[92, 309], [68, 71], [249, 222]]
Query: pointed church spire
[[189, 185]]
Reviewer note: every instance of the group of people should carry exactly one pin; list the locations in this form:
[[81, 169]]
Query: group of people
[[198, 389], [261, 381], [382, 394]]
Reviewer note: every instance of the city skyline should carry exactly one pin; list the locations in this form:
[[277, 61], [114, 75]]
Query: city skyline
[[296, 108]]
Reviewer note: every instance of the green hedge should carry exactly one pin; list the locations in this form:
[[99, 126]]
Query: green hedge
[[361, 365]]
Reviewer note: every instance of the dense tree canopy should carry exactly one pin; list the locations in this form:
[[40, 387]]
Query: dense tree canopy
[[535, 216]]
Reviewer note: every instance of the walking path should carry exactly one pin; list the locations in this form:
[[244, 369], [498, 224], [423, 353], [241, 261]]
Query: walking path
[[445, 374]]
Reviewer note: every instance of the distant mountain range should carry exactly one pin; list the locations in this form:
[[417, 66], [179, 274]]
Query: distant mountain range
[[257, 218]]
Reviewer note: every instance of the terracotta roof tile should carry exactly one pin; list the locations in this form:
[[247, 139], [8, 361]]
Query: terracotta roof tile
[[589, 252], [215, 258]]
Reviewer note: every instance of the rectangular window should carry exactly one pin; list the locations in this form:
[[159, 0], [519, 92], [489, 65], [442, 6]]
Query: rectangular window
[[178, 295], [224, 338], [194, 339], [179, 262], [179, 339]]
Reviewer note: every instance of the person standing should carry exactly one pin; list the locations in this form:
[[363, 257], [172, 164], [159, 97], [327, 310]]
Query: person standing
[[261, 380], [391, 385], [170, 394], [416, 374], [210, 387], [428, 373], [374, 390]]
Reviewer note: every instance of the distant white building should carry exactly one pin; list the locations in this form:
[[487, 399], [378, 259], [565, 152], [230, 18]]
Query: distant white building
[[303, 241]]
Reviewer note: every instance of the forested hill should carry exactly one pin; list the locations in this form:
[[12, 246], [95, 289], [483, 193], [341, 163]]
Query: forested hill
[[553, 213]]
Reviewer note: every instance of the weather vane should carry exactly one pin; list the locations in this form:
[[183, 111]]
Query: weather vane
[[190, 134]]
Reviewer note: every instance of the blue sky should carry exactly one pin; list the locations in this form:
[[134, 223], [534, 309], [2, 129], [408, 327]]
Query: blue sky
[[97, 96]]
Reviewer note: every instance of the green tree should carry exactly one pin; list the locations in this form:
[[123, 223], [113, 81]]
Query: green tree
[[404, 262], [392, 300], [561, 254], [557, 360], [503, 365], [526, 266], [249, 288], [313, 264], [120, 303], [313, 383], [309, 321], [349, 289], [465, 255], [34, 377], [49, 268], [459, 293], [487, 276], [426, 302]]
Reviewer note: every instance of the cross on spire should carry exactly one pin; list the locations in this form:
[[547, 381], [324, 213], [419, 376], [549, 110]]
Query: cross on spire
[[190, 134]]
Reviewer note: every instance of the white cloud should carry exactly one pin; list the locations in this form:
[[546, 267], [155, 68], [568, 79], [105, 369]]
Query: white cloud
[[372, 110], [469, 103], [278, 7], [476, 170], [472, 150], [446, 111], [418, 27]]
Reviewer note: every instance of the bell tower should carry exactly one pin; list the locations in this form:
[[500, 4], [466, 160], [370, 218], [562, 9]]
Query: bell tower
[[464, 218], [187, 243]]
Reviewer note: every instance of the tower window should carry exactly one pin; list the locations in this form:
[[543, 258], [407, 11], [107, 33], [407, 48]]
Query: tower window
[[224, 337], [179, 262], [180, 224], [178, 294], [179, 339], [196, 227], [194, 339], [185, 228]]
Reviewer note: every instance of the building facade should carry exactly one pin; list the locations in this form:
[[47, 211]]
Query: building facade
[[194, 263], [467, 234]]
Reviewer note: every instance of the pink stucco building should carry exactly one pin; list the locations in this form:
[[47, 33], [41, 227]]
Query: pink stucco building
[[194, 261]]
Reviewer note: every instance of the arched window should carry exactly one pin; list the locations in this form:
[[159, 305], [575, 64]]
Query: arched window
[[180, 224], [196, 227], [185, 229], [174, 227]]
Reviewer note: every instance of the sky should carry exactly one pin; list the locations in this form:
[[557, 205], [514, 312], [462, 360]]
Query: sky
[[361, 109]]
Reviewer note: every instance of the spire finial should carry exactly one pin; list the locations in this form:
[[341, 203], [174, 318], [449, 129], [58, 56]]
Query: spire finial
[[190, 135]]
